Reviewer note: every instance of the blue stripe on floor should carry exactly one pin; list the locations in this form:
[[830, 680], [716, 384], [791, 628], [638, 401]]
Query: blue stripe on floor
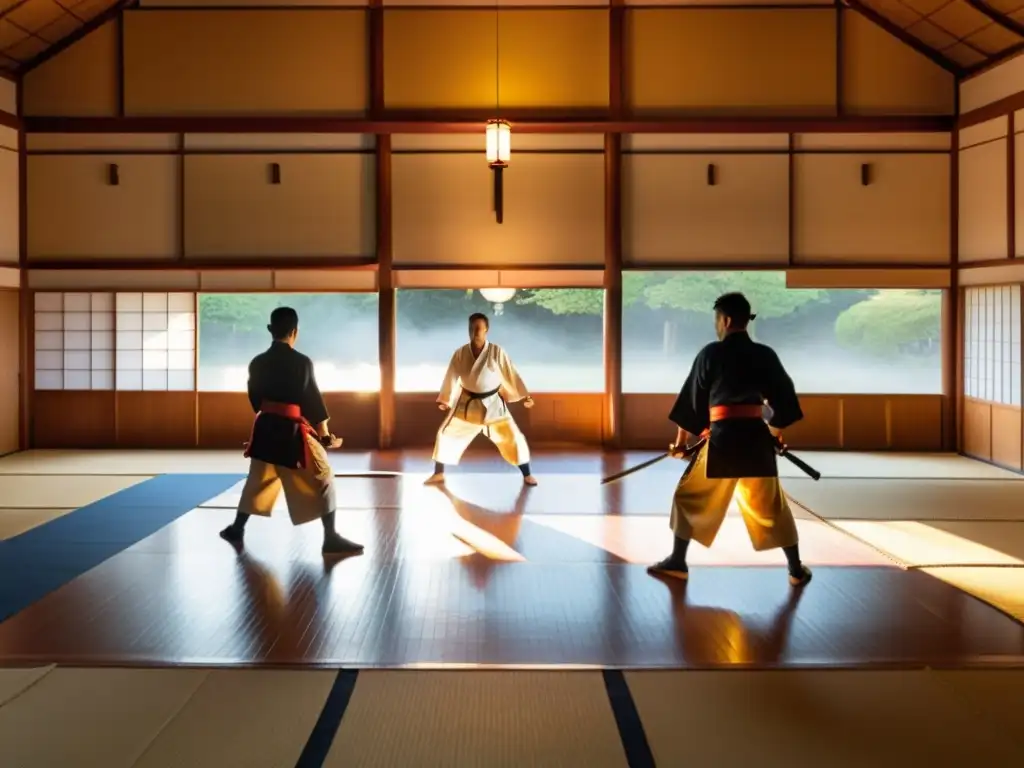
[[631, 729], [318, 746], [46, 558]]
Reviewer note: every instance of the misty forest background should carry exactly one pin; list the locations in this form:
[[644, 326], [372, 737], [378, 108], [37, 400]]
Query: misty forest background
[[831, 340]]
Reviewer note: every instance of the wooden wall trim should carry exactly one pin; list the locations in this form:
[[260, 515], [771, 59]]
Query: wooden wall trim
[[361, 264], [1001, 108], [524, 121]]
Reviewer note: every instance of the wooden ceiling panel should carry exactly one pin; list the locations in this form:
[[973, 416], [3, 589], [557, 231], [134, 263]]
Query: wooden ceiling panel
[[34, 15], [964, 34], [29, 29], [993, 39], [953, 31], [960, 19], [1006, 7], [931, 35], [965, 55], [59, 28]]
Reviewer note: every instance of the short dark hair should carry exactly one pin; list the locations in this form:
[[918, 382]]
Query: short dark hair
[[480, 316], [736, 307], [283, 322]]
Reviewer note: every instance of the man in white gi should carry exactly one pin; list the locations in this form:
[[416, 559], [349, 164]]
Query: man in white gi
[[480, 382]]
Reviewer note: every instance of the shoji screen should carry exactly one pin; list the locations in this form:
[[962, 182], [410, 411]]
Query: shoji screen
[[992, 344], [74, 341], [156, 341]]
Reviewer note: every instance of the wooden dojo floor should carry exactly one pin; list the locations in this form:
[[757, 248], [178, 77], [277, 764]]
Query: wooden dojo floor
[[113, 559]]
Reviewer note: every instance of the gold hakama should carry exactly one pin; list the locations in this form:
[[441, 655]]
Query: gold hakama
[[309, 492], [700, 504]]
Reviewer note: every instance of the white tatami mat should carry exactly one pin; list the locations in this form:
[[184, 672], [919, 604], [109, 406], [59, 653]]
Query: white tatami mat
[[61, 492], [478, 718], [814, 718], [250, 718], [15, 681], [92, 718], [14, 522]]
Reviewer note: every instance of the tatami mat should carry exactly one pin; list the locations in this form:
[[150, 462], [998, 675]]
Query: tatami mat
[[820, 718], [15, 681], [61, 492], [1001, 587], [242, 718], [910, 499], [884, 465], [994, 695], [920, 544], [92, 718], [16, 521], [99, 462], [478, 718]]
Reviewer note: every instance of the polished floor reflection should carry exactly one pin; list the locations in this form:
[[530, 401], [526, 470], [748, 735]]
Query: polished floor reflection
[[484, 572]]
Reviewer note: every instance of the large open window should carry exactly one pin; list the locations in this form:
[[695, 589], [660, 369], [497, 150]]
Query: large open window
[[554, 336], [831, 341], [338, 331]]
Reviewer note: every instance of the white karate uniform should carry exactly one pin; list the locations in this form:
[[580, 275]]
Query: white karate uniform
[[492, 374]]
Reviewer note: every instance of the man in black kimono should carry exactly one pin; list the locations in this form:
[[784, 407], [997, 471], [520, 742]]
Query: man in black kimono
[[286, 450], [723, 400]]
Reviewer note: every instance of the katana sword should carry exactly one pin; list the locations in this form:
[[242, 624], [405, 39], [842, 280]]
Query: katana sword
[[684, 453], [691, 451], [799, 463]]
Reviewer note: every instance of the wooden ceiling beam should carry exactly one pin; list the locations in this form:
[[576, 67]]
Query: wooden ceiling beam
[[446, 122], [905, 37], [110, 14]]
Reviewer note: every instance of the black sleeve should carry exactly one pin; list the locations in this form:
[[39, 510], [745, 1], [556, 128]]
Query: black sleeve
[[255, 388], [780, 393], [691, 410], [313, 408]]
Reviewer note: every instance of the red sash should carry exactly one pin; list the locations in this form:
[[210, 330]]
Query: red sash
[[743, 411], [292, 413]]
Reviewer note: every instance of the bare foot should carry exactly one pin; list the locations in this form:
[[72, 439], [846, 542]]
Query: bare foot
[[530, 480], [435, 479]]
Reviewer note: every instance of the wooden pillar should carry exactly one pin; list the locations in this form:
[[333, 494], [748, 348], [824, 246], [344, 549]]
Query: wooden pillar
[[26, 336], [840, 55], [613, 291], [952, 320], [386, 292], [382, 212], [612, 422], [1011, 189]]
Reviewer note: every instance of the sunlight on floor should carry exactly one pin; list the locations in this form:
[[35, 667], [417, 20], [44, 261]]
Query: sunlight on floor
[[918, 544]]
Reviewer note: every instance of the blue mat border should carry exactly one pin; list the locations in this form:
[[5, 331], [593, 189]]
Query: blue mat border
[[49, 556]]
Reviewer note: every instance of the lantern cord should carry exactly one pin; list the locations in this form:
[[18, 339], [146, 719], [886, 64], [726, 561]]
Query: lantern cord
[[497, 58]]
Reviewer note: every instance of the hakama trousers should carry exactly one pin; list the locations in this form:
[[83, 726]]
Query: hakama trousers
[[309, 492], [455, 435], [701, 503]]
